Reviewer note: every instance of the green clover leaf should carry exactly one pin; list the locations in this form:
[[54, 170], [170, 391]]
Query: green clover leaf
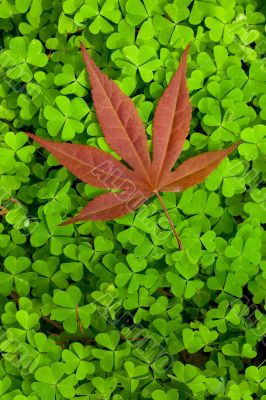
[[22, 54], [77, 360], [256, 208], [252, 84], [132, 59], [137, 11], [130, 275], [69, 311], [16, 143], [51, 382], [201, 205], [169, 29], [16, 275], [183, 284], [114, 356], [101, 13], [124, 37], [66, 117], [72, 84], [26, 320], [227, 173], [48, 230], [133, 375], [255, 139], [48, 274], [244, 254], [220, 26]]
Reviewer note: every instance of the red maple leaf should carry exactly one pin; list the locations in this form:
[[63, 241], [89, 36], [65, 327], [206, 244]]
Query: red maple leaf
[[141, 177]]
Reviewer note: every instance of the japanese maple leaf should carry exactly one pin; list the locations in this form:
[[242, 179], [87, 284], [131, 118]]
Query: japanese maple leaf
[[137, 176]]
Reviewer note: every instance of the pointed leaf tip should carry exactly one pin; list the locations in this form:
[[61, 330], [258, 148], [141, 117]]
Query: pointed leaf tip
[[195, 170], [121, 125], [171, 122], [92, 165], [109, 206]]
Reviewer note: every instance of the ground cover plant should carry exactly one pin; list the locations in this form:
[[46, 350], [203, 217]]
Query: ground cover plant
[[125, 133], [113, 309]]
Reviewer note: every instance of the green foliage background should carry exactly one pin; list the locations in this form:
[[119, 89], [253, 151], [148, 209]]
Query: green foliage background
[[112, 310]]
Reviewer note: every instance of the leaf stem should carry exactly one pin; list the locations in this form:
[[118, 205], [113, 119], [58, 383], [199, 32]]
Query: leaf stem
[[169, 219], [79, 323]]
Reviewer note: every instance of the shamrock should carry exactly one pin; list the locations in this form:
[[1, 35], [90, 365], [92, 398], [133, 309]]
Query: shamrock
[[206, 63], [125, 275], [23, 7], [48, 230], [51, 382], [252, 84], [101, 13], [222, 316], [256, 208], [41, 92], [7, 9], [181, 280], [132, 59], [233, 349], [236, 115], [39, 351], [216, 317], [26, 320], [48, 274], [16, 143], [66, 117], [69, 311], [7, 104], [200, 9], [59, 200], [77, 359], [188, 374], [133, 375], [240, 391], [16, 275], [22, 54], [146, 177], [245, 253], [104, 386], [137, 11], [256, 374], [169, 29], [113, 354], [74, 269], [224, 89], [72, 84], [231, 283], [159, 306], [124, 37], [201, 205], [228, 174], [141, 297], [220, 24], [208, 240], [255, 139], [195, 340]]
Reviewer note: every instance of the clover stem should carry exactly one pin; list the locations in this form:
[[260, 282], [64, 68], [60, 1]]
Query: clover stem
[[169, 219], [79, 323]]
